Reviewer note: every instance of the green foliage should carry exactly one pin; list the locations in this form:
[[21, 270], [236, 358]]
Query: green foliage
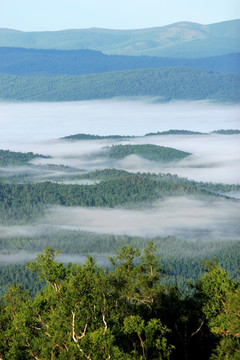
[[81, 314], [103, 175], [176, 132], [92, 314], [213, 287], [227, 325], [18, 274], [168, 132], [94, 137], [11, 158], [173, 83], [226, 131], [219, 296], [24, 202], [148, 151], [47, 269], [179, 254]]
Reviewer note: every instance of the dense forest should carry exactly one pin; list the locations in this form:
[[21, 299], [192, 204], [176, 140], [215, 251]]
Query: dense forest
[[175, 132], [166, 83], [97, 262], [12, 158], [23, 202], [94, 137], [152, 300], [168, 132], [226, 131], [109, 174], [127, 312], [26, 201], [147, 151], [183, 257]]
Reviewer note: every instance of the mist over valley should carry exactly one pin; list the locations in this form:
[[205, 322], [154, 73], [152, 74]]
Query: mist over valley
[[38, 128], [172, 175], [119, 180]]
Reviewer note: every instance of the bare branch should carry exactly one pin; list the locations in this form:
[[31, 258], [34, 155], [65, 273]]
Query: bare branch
[[105, 323], [195, 332]]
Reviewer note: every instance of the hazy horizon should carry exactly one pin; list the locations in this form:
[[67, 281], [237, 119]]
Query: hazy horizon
[[56, 15]]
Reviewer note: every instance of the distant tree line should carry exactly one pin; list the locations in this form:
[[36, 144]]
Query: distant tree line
[[168, 132], [12, 158], [167, 83]]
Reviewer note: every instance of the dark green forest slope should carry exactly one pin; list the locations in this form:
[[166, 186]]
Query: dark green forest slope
[[12, 158], [175, 83], [25, 202], [147, 151], [95, 137], [168, 132]]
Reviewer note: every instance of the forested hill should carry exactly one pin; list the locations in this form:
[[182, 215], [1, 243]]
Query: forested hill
[[169, 83], [26, 202], [182, 40], [33, 62], [147, 151], [12, 158]]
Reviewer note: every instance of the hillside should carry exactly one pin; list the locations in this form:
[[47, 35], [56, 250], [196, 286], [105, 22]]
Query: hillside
[[33, 62], [12, 158], [147, 151], [174, 83], [182, 40]]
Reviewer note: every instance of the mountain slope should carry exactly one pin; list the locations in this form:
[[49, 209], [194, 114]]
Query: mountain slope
[[32, 62], [176, 83], [183, 40]]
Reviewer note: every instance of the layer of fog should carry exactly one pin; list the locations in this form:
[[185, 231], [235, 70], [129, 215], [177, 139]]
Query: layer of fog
[[202, 221], [26, 231], [214, 157], [30, 122], [22, 257], [37, 126], [32, 173], [181, 217]]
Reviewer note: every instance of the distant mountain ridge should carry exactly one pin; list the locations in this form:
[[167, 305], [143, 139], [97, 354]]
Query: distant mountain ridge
[[35, 62], [179, 40]]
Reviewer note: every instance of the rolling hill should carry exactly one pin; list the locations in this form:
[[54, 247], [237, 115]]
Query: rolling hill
[[165, 83], [33, 62], [179, 40]]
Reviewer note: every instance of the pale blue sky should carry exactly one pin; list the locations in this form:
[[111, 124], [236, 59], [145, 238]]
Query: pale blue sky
[[39, 15]]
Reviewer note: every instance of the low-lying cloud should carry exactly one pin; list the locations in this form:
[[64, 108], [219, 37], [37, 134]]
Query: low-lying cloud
[[182, 217], [37, 126]]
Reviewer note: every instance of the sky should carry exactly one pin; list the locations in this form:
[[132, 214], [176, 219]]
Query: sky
[[51, 15]]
